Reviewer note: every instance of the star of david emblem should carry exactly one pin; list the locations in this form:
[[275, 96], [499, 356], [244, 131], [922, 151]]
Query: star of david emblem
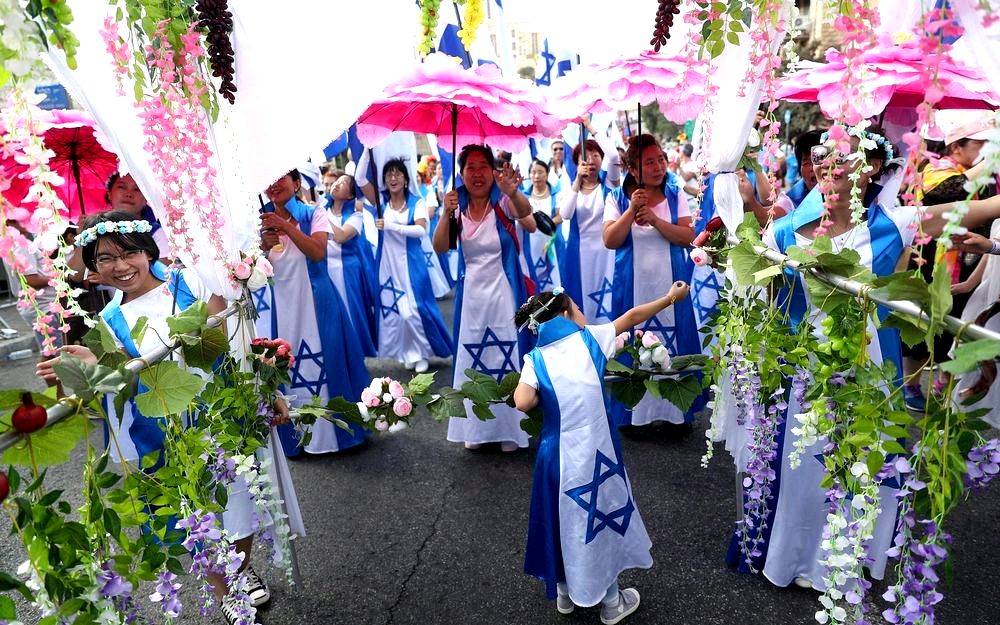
[[550, 64], [600, 296], [709, 283], [543, 271], [306, 354], [492, 341], [586, 497], [429, 258], [260, 297], [394, 294], [666, 333]]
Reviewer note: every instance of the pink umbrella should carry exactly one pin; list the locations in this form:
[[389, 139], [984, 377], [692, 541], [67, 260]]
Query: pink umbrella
[[476, 105], [80, 158], [630, 81], [893, 76]]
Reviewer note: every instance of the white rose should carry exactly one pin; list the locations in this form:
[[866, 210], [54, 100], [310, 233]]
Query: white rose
[[363, 409], [646, 357], [753, 139], [661, 356], [257, 280]]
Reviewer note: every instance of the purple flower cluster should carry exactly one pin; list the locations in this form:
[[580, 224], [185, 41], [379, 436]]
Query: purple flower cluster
[[221, 466], [746, 386], [110, 583], [801, 380], [763, 448], [916, 594], [166, 594], [202, 530], [982, 465], [844, 540]]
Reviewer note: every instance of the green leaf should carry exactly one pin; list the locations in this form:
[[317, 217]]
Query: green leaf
[[629, 392], [51, 445], [190, 320], [902, 286], [419, 384], [746, 263], [749, 230], [202, 351], [941, 301], [349, 409], [87, 380], [681, 391], [449, 403], [761, 277], [8, 612], [139, 329], [733, 38], [509, 383], [532, 425], [482, 411], [968, 355], [616, 367], [481, 387], [688, 361], [11, 398], [170, 389], [909, 330]]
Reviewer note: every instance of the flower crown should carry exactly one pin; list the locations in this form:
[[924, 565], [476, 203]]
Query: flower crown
[[863, 134], [532, 322], [90, 235]]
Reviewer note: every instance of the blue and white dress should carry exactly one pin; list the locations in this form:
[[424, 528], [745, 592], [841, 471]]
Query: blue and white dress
[[587, 268], [345, 263], [490, 289], [410, 323], [646, 265], [541, 251], [303, 307], [584, 528], [798, 511], [440, 266], [131, 435]]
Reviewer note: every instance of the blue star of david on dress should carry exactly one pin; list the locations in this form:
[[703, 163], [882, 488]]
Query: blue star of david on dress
[[394, 293], [543, 271], [306, 354], [586, 497], [429, 259], [667, 333], [492, 341], [600, 296], [710, 283], [260, 297]]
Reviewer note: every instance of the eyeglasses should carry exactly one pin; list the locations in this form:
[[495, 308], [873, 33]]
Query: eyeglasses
[[395, 174], [821, 154], [107, 260]]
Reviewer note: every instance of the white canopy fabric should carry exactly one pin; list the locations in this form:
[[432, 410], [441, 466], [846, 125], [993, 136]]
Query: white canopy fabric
[[275, 122]]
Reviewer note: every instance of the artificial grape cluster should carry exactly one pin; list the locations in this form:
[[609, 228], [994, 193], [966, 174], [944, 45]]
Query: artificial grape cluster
[[428, 22], [217, 22], [665, 13], [844, 341]]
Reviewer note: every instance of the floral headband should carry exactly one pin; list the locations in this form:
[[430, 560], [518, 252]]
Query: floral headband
[[866, 137], [532, 322], [90, 235]]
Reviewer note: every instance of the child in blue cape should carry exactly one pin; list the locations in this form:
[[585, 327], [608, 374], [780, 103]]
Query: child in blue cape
[[584, 528]]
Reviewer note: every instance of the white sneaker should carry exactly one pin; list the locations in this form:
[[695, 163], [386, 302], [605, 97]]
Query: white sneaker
[[421, 366], [564, 604], [398, 426], [230, 612], [803, 582], [257, 590], [628, 602]]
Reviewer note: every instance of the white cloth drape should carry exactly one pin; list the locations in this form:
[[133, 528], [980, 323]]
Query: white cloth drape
[[733, 117], [275, 123], [978, 42]]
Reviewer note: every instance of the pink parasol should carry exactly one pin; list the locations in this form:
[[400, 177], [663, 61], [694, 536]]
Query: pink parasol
[[79, 158], [893, 76], [631, 81], [460, 106]]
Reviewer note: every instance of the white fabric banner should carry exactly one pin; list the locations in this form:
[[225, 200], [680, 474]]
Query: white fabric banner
[[275, 124]]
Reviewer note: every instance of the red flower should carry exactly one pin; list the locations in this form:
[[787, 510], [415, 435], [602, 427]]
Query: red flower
[[713, 224]]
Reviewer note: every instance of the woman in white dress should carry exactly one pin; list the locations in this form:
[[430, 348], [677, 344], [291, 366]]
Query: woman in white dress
[[124, 254], [649, 226], [587, 267], [303, 307], [411, 329], [542, 251], [491, 287]]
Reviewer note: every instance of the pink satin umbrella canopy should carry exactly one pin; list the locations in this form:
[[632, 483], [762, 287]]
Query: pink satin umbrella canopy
[[479, 103], [78, 157], [630, 81], [893, 76]]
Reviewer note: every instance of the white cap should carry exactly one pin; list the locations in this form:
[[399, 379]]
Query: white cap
[[956, 124]]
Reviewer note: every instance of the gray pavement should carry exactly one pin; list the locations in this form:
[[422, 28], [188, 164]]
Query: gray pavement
[[411, 529]]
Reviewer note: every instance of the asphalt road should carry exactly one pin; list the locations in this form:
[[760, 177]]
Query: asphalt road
[[411, 529]]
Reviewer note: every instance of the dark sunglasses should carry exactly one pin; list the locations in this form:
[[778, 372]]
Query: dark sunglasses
[[821, 154]]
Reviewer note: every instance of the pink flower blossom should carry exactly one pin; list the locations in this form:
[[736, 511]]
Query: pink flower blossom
[[370, 399], [396, 389], [242, 270], [649, 339], [381, 424], [700, 257], [620, 341], [402, 407]]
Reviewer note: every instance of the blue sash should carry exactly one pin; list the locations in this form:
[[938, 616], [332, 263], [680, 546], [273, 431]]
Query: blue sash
[[570, 269], [360, 294], [798, 192]]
